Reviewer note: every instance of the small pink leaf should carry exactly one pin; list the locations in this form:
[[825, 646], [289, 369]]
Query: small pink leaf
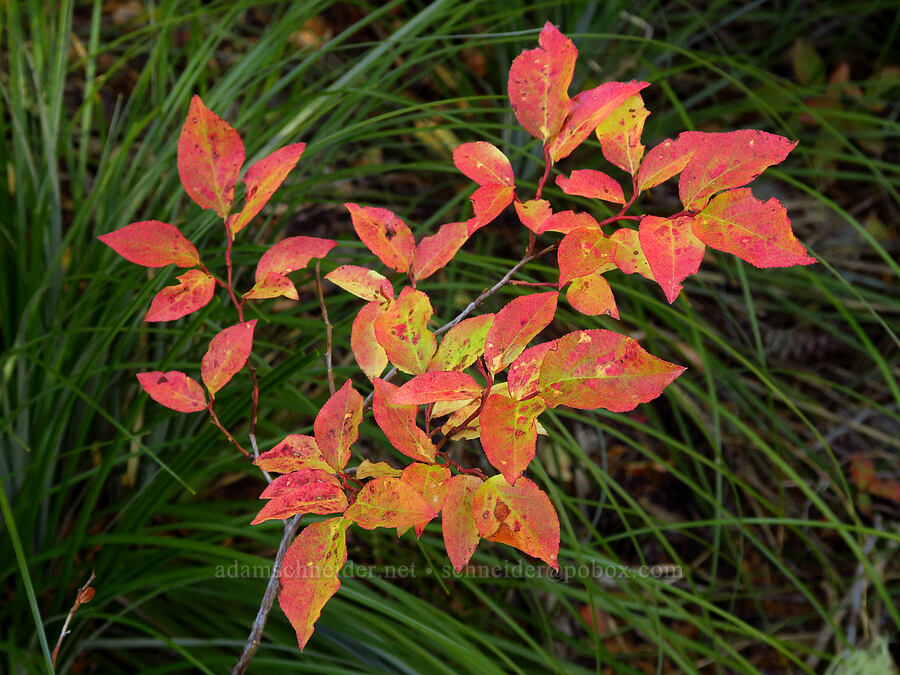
[[664, 161], [569, 221], [488, 202], [288, 255], [152, 243], [303, 491], [194, 290], [539, 81], [228, 352], [758, 232], [174, 390], [514, 327], [437, 386], [484, 163], [672, 251], [262, 179], [385, 235], [337, 425], [210, 155], [436, 251], [592, 184]]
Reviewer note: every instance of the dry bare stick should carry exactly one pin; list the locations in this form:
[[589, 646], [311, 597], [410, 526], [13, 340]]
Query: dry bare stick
[[85, 594]]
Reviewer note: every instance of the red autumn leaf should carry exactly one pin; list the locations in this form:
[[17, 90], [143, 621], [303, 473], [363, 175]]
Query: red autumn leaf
[[758, 232], [583, 251], [514, 327], [194, 290], [509, 433], [398, 422], [672, 251], [432, 481], [402, 332], [152, 243], [210, 155], [620, 134], [727, 160], [436, 251], [457, 520], [569, 221], [591, 369], [309, 574], [665, 160], [522, 378], [586, 111], [385, 235], [520, 515], [539, 82], [272, 285], [262, 179], [337, 425], [484, 163], [288, 255], [174, 390], [362, 282], [533, 213], [228, 352], [294, 453], [488, 202], [629, 256], [591, 295], [303, 491], [463, 344], [370, 356], [437, 386], [389, 502], [592, 184], [862, 470]]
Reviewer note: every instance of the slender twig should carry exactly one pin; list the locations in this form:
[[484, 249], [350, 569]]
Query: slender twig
[[475, 471], [85, 594], [327, 329], [484, 397], [548, 164], [272, 589], [215, 419]]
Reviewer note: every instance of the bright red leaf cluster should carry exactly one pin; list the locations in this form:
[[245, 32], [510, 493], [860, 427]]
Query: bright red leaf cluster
[[487, 377]]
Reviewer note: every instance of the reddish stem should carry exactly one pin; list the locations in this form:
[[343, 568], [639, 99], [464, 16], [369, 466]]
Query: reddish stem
[[215, 419], [548, 164]]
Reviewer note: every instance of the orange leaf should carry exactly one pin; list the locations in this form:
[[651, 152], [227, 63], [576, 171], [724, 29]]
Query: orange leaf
[[758, 232], [398, 422], [586, 111], [514, 327], [533, 213], [520, 515], [174, 390], [303, 491], [664, 161], [583, 251], [292, 254], [389, 502], [152, 243], [367, 469], [402, 332], [337, 425], [272, 285], [228, 352], [210, 155], [629, 256], [385, 235], [620, 134], [437, 386], [309, 574], [436, 251], [295, 452], [592, 184], [488, 202], [362, 282], [262, 179], [591, 295], [432, 481], [194, 290], [569, 221], [370, 356], [522, 378], [463, 344], [726, 160], [509, 433], [457, 520], [484, 163], [539, 82], [672, 251], [591, 369]]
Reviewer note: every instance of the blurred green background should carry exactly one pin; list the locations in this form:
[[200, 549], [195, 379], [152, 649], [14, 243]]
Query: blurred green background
[[748, 475]]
